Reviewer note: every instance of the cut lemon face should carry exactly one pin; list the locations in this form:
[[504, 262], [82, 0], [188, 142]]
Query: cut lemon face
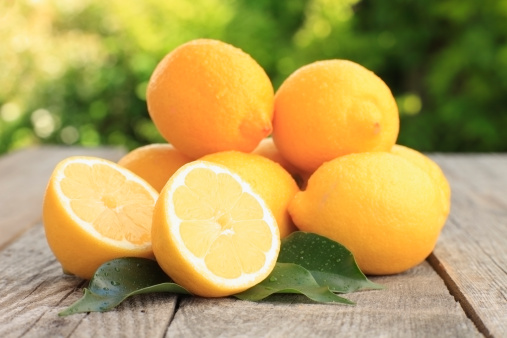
[[212, 233], [94, 211]]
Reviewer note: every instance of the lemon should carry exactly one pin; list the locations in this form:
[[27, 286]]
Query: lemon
[[207, 96], [213, 234], [95, 210], [332, 108], [387, 211]]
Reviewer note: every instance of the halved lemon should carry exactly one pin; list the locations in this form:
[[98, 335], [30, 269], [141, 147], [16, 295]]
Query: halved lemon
[[212, 233], [95, 210]]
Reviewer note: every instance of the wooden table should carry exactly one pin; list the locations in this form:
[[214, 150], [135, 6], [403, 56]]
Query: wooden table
[[460, 291]]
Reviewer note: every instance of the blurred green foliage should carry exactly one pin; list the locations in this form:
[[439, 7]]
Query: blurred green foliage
[[75, 71]]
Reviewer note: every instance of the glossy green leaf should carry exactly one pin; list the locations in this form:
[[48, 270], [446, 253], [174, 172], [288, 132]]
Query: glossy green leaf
[[308, 264], [119, 279], [330, 263], [291, 278]]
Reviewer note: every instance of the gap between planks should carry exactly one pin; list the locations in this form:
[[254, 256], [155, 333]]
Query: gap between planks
[[458, 295]]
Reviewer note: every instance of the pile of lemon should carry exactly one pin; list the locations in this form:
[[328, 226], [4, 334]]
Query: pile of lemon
[[212, 204]]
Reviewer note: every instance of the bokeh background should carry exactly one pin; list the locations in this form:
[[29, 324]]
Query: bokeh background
[[75, 71]]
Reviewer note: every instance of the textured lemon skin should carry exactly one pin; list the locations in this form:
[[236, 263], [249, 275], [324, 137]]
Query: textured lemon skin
[[383, 208], [332, 108], [268, 178], [267, 148], [79, 252], [173, 261], [155, 163], [208, 96]]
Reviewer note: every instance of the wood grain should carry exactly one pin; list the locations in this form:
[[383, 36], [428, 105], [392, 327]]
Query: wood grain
[[414, 304], [33, 290], [471, 254], [23, 178]]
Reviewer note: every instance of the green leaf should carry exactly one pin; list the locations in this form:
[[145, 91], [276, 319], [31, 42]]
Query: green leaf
[[330, 263], [291, 278], [119, 279], [308, 264]]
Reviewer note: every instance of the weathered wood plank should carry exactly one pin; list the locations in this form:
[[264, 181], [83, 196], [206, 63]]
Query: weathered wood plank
[[33, 290], [414, 304], [471, 254], [22, 193]]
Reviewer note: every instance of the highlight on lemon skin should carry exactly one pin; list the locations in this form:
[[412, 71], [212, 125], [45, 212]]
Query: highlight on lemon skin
[[212, 233], [207, 96], [431, 168], [95, 210]]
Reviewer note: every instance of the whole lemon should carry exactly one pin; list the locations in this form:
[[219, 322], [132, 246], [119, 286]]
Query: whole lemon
[[272, 182], [332, 108], [207, 96], [384, 209]]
